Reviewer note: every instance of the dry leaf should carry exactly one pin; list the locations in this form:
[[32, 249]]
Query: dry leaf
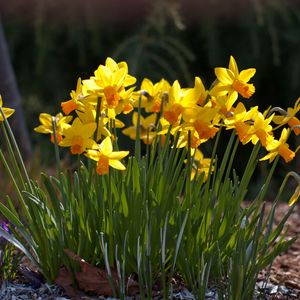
[[91, 279]]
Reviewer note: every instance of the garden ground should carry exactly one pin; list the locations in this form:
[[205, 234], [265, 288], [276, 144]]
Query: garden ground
[[285, 271]]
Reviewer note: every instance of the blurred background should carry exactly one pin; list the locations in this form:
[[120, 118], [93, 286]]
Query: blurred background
[[47, 45]]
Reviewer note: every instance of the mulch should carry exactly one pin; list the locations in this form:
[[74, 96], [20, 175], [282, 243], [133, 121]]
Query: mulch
[[285, 270], [286, 267]]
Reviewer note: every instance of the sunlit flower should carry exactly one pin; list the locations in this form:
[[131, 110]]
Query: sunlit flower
[[261, 130], [46, 127], [295, 196], [188, 137], [180, 103], [7, 111], [109, 83], [200, 165], [239, 120], [75, 102], [232, 81], [152, 94], [106, 157], [199, 93], [79, 137], [147, 126], [280, 147], [88, 116], [290, 118], [224, 104]]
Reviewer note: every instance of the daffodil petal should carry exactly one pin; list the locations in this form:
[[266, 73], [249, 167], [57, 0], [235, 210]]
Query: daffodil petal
[[106, 146], [224, 75], [116, 164], [247, 74], [233, 66], [117, 155]]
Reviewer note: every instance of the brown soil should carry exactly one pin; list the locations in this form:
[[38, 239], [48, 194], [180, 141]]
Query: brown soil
[[286, 267]]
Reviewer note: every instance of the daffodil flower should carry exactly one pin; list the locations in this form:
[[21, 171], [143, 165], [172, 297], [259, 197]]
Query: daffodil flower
[[75, 102], [7, 111], [295, 196], [290, 118], [79, 137], [88, 115], [280, 147], [239, 120], [152, 94], [46, 127], [198, 92], [146, 128], [231, 81], [180, 103], [109, 82], [261, 130], [200, 165], [106, 157]]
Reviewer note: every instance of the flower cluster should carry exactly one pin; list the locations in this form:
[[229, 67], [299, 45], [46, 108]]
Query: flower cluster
[[194, 114]]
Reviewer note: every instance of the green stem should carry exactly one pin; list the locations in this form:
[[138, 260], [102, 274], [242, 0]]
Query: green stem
[[110, 234], [98, 111], [90, 162], [13, 157], [138, 129], [57, 157], [18, 153], [24, 206]]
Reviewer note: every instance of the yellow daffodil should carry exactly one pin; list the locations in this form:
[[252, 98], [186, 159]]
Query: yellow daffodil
[[295, 196], [224, 104], [199, 93], [290, 118], [61, 122], [152, 94], [7, 111], [239, 120], [261, 130], [75, 102], [200, 165], [88, 116], [280, 147], [204, 123], [106, 157], [173, 108], [79, 137], [147, 126], [187, 133], [231, 81], [180, 103], [109, 83]]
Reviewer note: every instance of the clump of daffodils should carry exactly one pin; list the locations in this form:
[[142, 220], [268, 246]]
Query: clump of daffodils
[[195, 114]]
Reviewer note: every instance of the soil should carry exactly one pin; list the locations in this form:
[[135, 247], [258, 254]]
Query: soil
[[286, 267], [285, 271]]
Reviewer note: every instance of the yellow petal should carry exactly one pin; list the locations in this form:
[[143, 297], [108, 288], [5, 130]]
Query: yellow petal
[[106, 146], [7, 112], [129, 80], [45, 119], [116, 164], [147, 85], [224, 75], [295, 196], [110, 63], [42, 129], [245, 75], [233, 66], [117, 155], [149, 121], [93, 154]]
